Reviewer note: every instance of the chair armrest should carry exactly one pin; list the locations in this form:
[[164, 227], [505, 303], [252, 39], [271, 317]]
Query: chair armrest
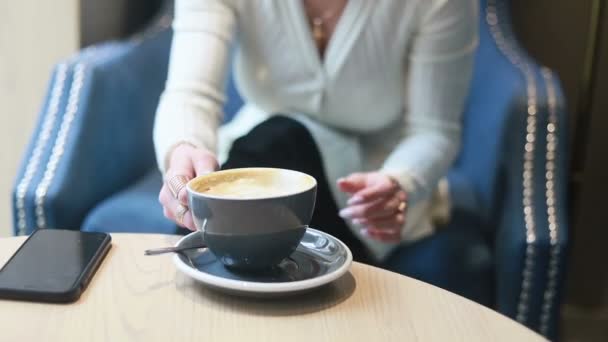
[[515, 105], [94, 135], [532, 226], [532, 233]]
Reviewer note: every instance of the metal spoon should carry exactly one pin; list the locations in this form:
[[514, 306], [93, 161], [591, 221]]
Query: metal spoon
[[183, 247], [173, 249]]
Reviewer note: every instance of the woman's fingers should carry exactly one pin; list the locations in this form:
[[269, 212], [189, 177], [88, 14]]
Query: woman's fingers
[[380, 208], [188, 221], [353, 183], [377, 204], [180, 171], [388, 223], [186, 162], [168, 214], [165, 198], [394, 205], [382, 187], [173, 209], [367, 210], [384, 235], [359, 211]]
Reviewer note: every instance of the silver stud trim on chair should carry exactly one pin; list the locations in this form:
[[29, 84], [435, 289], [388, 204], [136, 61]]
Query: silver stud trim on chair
[[43, 137], [58, 147], [550, 196], [511, 53]]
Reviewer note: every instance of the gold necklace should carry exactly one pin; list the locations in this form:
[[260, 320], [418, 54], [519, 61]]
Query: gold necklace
[[318, 26]]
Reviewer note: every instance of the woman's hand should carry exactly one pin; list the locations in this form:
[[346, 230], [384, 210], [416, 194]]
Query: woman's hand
[[377, 204], [186, 162]]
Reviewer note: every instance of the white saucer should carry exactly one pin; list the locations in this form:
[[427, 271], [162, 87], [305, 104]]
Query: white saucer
[[319, 259]]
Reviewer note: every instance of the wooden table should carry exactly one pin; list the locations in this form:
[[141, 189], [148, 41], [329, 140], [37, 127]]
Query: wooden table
[[142, 298]]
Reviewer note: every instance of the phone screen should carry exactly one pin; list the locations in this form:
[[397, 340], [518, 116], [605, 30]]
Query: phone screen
[[53, 261]]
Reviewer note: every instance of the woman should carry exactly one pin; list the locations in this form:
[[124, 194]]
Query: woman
[[370, 96]]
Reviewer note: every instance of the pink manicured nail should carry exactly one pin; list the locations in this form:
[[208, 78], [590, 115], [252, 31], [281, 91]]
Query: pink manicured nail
[[346, 213], [355, 200]]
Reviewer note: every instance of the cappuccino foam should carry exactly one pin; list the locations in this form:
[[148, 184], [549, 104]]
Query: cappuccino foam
[[253, 183]]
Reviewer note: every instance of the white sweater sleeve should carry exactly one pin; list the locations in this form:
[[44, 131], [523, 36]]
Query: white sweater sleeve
[[440, 68], [190, 108]]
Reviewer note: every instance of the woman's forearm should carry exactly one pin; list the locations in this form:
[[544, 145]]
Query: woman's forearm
[[439, 73], [190, 108]]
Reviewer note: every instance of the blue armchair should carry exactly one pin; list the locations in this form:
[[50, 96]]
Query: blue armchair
[[90, 165]]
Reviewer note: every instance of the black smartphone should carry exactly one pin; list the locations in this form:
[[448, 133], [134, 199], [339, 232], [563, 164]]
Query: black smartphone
[[53, 265]]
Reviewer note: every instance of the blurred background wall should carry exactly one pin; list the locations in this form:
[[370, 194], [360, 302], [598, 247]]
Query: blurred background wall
[[34, 35], [114, 19]]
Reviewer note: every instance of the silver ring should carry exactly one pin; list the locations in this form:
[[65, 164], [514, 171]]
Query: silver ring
[[180, 212], [176, 184]]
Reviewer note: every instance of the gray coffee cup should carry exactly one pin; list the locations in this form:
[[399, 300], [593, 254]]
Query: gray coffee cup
[[252, 231]]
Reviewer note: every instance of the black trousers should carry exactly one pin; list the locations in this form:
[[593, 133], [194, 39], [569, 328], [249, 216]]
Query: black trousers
[[282, 142]]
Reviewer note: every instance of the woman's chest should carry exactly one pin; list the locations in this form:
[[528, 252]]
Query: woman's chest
[[371, 36], [363, 70]]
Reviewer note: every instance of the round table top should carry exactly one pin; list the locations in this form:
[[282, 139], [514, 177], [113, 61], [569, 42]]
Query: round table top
[[134, 297]]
